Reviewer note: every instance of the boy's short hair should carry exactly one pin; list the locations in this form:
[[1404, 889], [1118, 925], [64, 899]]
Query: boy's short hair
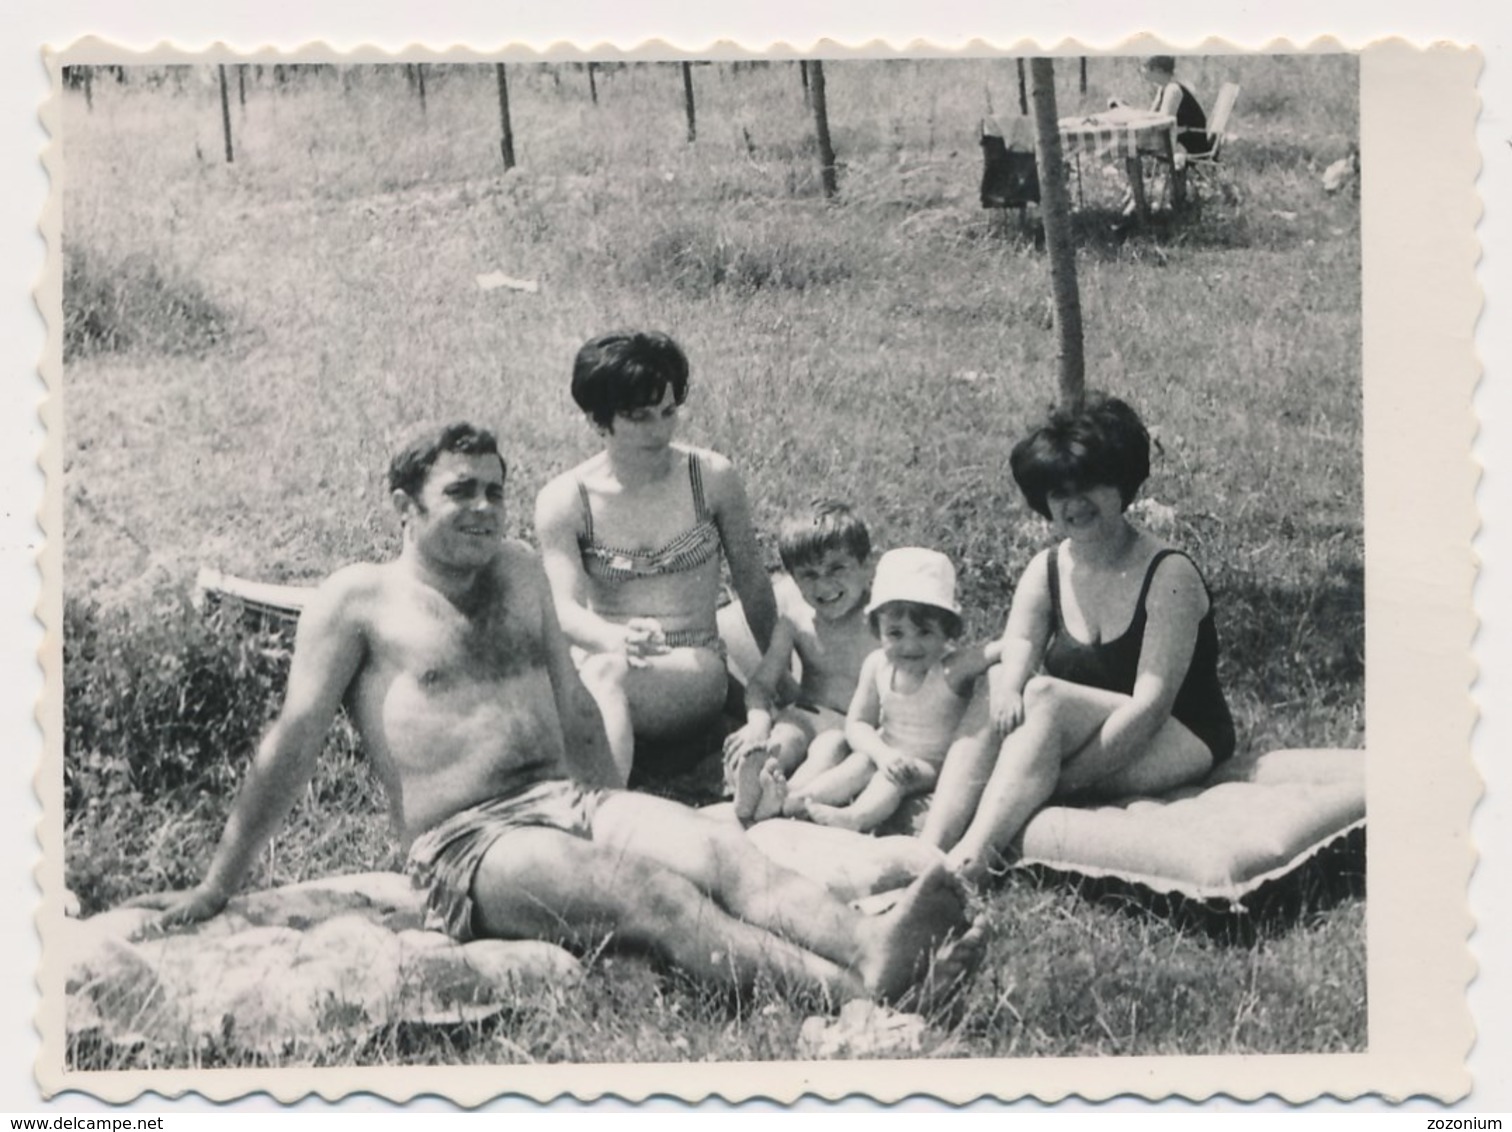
[[828, 525], [921, 616], [627, 370], [1103, 442], [411, 465], [1165, 64]]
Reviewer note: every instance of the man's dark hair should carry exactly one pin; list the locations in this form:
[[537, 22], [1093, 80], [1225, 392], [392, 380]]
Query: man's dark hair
[[1103, 442], [411, 465], [627, 370]]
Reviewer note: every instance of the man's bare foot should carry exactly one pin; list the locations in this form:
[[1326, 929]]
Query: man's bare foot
[[897, 946], [837, 817], [949, 971], [748, 782], [773, 792]]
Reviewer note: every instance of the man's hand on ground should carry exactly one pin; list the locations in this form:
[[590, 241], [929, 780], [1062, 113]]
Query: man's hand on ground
[[178, 908]]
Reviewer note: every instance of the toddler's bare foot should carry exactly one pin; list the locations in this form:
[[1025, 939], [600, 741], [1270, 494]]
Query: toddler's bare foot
[[838, 817]]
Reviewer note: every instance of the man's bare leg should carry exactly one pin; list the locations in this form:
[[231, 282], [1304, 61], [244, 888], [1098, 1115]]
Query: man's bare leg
[[890, 953], [545, 884]]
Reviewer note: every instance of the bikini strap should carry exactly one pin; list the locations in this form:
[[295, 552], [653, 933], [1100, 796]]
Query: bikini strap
[[587, 512], [1149, 578], [695, 480], [1055, 602]]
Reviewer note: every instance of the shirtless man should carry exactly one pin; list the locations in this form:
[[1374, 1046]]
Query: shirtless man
[[452, 666]]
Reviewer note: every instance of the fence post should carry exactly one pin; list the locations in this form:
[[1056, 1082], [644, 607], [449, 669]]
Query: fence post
[[1055, 206], [821, 128], [687, 73], [506, 132], [225, 110]]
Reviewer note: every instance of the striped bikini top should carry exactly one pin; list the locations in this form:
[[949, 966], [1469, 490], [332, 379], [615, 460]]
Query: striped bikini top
[[686, 551]]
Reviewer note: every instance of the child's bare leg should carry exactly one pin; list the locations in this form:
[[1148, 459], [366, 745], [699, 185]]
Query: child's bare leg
[[877, 802], [827, 751], [789, 744], [836, 785]]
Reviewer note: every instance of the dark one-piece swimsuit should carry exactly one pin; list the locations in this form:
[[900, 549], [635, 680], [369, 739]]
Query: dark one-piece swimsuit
[[1114, 665]]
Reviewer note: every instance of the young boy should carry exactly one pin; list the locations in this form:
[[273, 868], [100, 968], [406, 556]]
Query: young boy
[[827, 553]]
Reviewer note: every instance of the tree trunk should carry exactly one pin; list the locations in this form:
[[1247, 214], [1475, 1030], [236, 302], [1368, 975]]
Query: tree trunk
[[687, 73], [821, 129], [506, 132], [803, 74], [1055, 208], [225, 111], [592, 83]]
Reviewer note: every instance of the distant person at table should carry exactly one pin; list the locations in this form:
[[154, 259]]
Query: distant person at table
[[1175, 99], [1108, 679], [632, 541]]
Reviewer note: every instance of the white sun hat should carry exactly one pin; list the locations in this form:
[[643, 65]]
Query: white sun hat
[[917, 574]]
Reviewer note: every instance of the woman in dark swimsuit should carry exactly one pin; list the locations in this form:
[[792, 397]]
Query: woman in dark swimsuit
[[1108, 684], [632, 540]]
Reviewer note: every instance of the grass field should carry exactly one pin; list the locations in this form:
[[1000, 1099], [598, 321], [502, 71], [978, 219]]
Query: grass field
[[246, 340]]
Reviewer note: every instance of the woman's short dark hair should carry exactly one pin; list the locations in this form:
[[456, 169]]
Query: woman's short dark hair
[[411, 465], [1103, 442], [627, 370], [1165, 64]]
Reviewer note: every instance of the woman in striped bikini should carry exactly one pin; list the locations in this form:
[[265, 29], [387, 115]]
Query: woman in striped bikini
[[631, 540]]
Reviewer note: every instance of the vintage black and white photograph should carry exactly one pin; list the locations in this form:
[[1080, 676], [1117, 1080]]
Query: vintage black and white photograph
[[611, 559]]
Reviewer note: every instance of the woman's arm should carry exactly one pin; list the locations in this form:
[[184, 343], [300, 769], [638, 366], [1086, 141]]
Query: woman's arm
[[586, 746], [1174, 607], [556, 524], [761, 692], [1168, 101], [1022, 645], [732, 513], [964, 665]]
